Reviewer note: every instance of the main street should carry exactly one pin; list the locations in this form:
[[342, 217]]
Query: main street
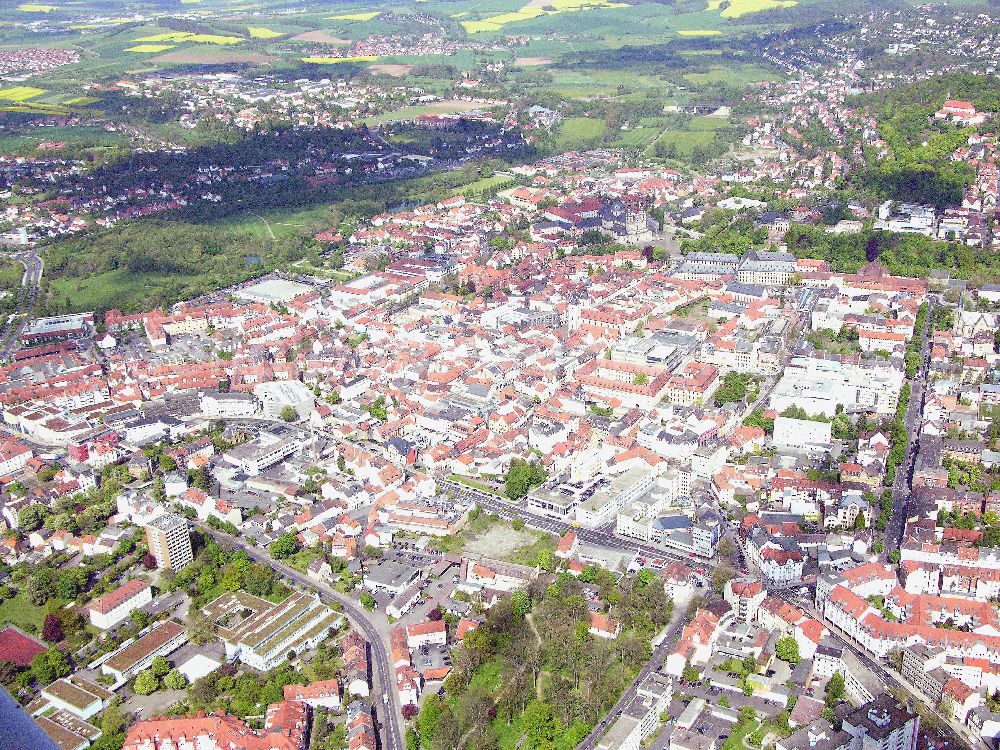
[[903, 484], [887, 677], [494, 504], [383, 677]]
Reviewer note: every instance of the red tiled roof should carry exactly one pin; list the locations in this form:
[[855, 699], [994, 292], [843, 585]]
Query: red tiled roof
[[426, 628], [15, 646], [120, 595]]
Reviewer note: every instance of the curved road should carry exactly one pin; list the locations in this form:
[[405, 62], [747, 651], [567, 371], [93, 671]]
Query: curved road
[[382, 675]]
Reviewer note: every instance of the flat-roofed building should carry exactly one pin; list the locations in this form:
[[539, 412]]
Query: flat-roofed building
[[75, 694], [59, 327], [130, 659], [608, 500], [882, 724], [266, 638], [67, 731], [269, 448]]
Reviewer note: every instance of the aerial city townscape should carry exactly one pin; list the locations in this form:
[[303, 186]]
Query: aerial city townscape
[[482, 374]]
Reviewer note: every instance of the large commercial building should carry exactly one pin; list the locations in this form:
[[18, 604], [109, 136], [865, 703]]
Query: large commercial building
[[169, 542], [609, 498], [268, 633], [269, 448], [820, 385], [276, 395]]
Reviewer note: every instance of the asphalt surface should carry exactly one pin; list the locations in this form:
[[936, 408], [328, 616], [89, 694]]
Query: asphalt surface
[[30, 281], [383, 678], [504, 509], [903, 485]]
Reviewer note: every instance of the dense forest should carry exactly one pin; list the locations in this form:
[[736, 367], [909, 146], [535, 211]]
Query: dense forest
[[920, 167], [533, 677], [903, 254]]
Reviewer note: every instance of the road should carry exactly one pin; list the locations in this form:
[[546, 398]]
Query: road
[[383, 678], [903, 485], [504, 509], [30, 282]]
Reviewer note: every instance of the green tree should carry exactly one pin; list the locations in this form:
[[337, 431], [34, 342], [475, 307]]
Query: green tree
[[146, 683], [114, 719], [68, 585], [174, 680], [690, 673], [139, 618], [284, 546], [428, 720], [367, 601], [31, 517], [787, 649], [522, 477], [520, 602], [539, 724], [39, 588], [288, 413], [722, 574], [50, 665], [378, 410], [160, 666], [836, 689], [42, 670]]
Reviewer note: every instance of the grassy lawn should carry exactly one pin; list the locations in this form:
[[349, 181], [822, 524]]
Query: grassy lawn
[[473, 483], [301, 559], [410, 113], [638, 137], [734, 75], [23, 614], [129, 290], [685, 141], [476, 188], [284, 223], [577, 131], [543, 546], [740, 731], [76, 137], [827, 340]]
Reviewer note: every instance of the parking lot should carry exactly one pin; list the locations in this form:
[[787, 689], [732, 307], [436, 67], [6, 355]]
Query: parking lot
[[712, 727]]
